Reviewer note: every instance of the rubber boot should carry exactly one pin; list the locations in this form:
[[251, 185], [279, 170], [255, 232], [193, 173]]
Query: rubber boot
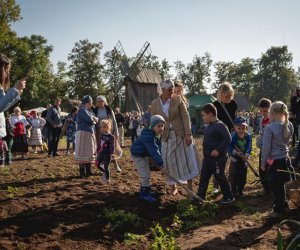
[[82, 170], [88, 169], [145, 194]]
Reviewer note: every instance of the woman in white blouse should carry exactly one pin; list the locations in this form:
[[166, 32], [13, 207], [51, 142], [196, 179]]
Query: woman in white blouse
[[19, 124], [37, 123]]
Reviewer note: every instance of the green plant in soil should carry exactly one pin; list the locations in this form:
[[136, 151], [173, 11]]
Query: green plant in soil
[[12, 192], [133, 239], [189, 216], [294, 243], [163, 239], [121, 221]]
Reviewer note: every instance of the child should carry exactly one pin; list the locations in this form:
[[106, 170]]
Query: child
[[240, 150], [264, 107], [71, 127], [274, 154], [106, 149], [148, 144], [215, 143]]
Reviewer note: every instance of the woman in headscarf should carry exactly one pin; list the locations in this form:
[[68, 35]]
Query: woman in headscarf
[[85, 140], [177, 148]]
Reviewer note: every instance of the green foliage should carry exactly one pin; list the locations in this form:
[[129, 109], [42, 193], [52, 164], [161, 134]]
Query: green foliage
[[196, 74], [190, 215], [12, 192], [295, 241], [86, 70], [133, 239], [243, 207], [9, 13], [225, 71], [120, 220], [163, 240]]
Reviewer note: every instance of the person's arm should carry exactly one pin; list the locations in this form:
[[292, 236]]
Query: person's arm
[[115, 125], [223, 131], [112, 144], [49, 117], [9, 99], [231, 149], [266, 148], [248, 146], [153, 150], [42, 122], [83, 114]]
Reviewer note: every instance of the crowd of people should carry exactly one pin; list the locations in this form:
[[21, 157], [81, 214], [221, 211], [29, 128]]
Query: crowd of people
[[163, 132]]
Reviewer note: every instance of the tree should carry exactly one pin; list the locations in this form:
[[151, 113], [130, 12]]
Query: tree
[[225, 71], [86, 70], [276, 77], [243, 77], [195, 75]]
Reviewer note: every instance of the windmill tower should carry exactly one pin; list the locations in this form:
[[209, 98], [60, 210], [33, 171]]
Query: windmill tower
[[140, 82]]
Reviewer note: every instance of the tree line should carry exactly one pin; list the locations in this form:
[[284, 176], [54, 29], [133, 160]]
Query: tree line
[[271, 75]]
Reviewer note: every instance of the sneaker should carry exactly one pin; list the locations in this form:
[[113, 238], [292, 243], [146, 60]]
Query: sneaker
[[215, 191], [148, 198], [104, 179], [118, 169], [68, 152], [226, 201], [101, 168]]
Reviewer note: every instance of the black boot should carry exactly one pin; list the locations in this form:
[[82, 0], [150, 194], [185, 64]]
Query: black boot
[[82, 170], [88, 169]]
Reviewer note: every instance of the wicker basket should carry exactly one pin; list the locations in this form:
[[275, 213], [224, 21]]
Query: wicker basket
[[295, 197]]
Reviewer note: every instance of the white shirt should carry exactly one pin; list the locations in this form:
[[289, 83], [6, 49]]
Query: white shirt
[[165, 108]]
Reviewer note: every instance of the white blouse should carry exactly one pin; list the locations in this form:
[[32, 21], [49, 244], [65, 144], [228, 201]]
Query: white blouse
[[14, 119]]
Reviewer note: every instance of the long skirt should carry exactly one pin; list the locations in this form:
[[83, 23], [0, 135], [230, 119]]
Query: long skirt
[[20, 144], [86, 149], [179, 159], [36, 137]]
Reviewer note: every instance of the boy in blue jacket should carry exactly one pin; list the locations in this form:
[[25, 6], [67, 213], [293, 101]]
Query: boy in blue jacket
[[148, 144], [239, 151]]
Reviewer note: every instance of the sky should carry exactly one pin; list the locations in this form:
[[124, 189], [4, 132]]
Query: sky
[[177, 29]]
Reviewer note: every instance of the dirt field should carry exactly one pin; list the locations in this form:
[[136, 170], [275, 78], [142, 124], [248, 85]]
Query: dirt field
[[44, 205]]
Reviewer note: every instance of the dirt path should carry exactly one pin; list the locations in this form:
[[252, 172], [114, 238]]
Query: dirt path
[[44, 205]]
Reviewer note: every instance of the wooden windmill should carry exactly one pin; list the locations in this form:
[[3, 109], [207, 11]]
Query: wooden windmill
[[140, 82]]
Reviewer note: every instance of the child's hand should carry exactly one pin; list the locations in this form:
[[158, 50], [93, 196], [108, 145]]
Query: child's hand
[[214, 153], [240, 154], [263, 168]]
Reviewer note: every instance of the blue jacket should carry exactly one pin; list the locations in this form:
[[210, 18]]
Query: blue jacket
[[85, 120], [234, 138], [148, 144], [6, 101]]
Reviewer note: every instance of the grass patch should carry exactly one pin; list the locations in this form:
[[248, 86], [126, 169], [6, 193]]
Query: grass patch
[[12, 192], [120, 221], [189, 216]]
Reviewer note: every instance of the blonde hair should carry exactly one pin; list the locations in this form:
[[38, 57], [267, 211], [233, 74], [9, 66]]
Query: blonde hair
[[106, 123], [281, 109], [224, 88], [17, 109]]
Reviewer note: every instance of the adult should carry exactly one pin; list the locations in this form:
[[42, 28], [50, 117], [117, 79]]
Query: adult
[[120, 119], [9, 139], [147, 117], [226, 111], [226, 106], [19, 124], [177, 149], [37, 123], [55, 125], [85, 140], [103, 111], [45, 129], [8, 97], [295, 110]]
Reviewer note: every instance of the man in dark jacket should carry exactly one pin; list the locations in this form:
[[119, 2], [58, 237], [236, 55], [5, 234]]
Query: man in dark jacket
[[55, 125]]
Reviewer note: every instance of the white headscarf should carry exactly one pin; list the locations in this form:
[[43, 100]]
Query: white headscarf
[[166, 84], [102, 98]]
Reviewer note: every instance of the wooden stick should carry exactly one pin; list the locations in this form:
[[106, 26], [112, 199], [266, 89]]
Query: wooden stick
[[190, 192]]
